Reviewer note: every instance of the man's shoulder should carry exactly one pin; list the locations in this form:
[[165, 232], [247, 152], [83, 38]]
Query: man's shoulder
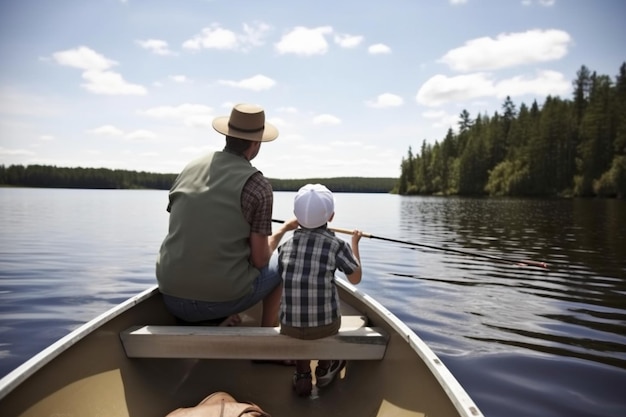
[[258, 181]]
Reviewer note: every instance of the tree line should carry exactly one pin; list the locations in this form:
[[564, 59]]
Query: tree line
[[571, 148], [47, 176]]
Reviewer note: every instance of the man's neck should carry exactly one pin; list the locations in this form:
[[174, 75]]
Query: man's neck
[[230, 151]]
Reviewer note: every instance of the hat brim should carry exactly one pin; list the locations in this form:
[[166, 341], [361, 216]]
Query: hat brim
[[268, 134]]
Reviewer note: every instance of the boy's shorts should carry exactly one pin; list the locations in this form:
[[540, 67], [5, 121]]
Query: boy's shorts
[[312, 333]]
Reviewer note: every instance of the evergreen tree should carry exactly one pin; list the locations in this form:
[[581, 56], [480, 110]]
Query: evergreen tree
[[596, 137], [465, 122], [582, 88], [619, 145], [509, 114], [473, 163]]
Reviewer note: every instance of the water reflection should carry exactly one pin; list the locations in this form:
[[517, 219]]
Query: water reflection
[[574, 309], [522, 340]]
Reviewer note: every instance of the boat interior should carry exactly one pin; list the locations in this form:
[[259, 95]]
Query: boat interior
[[94, 377]]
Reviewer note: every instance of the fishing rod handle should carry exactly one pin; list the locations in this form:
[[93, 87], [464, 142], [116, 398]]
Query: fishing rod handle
[[347, 231]]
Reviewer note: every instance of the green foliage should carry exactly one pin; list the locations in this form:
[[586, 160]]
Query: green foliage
[[99, 178], [563, 148], [508, 178], [612, 183], [339, 184], [102, 178]]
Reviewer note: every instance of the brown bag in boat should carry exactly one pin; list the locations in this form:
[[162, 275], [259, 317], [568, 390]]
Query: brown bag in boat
[[220, 404]]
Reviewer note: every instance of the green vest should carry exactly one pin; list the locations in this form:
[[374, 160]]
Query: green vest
[[205, 255]]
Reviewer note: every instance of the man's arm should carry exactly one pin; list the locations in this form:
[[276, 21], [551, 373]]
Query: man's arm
[[262, 246]]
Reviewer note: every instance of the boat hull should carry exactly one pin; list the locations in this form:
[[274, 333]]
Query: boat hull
[[87, 374]]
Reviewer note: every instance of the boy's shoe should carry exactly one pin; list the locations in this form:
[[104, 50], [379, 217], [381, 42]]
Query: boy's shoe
[[302, 383], [325, 376]]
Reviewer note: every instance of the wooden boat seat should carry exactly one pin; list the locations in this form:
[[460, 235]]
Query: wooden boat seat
[[355, 341]]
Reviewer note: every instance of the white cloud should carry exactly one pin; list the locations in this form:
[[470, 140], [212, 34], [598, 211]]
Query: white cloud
[[326, 119], [279, 122], [348, 41], [508, 50], [141, 134], [455, 2], [543, 84], [83, 58], [441, 89], [257, 83], [216, 37], [254, 34], [304, 41], [385, 100], [378, 49], [179, 78], [544, 3], [95, 71], [46, 137], [108, 130], [187, 114], [110, 83], [155, 46]]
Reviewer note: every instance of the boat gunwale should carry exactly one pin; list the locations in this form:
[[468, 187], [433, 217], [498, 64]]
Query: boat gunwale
[[455, 391], [14, 378]]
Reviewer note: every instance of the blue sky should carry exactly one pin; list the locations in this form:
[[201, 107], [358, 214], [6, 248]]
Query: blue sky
[[350, 84]]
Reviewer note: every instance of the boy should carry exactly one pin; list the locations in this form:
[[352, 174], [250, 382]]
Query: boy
[[307, 264]]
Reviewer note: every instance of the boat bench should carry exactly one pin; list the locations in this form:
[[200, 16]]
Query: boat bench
[[354, 341]]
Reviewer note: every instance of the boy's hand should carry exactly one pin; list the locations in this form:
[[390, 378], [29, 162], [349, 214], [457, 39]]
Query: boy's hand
[[291, 224], [356, 236]]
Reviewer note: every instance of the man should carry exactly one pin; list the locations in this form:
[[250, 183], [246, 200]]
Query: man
[[213, 263]]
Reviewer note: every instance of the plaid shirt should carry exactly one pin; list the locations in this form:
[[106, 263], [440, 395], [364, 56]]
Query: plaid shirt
[[257, 201], [307, 263]]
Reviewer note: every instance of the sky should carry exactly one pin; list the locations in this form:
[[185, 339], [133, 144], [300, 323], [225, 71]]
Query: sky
[[351, 85]]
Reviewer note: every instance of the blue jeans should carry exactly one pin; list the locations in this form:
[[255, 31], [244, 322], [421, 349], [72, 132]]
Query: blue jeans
[[196, 310]]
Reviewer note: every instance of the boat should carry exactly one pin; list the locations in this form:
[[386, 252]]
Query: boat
[[135, 360]]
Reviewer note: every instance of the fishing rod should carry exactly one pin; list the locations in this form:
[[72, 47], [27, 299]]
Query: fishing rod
[[462, 252]]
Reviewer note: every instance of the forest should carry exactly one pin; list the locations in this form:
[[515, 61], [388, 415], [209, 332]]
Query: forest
[[47, 176], [562, 148]]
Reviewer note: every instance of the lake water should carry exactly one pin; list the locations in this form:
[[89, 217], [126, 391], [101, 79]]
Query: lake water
[[523, 341]]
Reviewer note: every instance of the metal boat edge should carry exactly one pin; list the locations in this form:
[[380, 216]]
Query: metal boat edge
[[14, 378], [457, 394]]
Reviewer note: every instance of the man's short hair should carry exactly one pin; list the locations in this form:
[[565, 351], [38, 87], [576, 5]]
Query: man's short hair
[[236, 144]]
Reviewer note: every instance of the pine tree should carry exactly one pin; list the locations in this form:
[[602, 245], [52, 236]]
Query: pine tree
[[596, 137]]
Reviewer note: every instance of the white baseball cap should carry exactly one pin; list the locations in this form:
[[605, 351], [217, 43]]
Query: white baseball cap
[[313, 205]]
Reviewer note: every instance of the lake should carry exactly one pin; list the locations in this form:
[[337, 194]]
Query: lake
[[523, 341]]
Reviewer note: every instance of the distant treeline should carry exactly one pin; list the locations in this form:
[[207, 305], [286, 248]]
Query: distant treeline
[[563, 148], [340, 184], [47, 176]]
